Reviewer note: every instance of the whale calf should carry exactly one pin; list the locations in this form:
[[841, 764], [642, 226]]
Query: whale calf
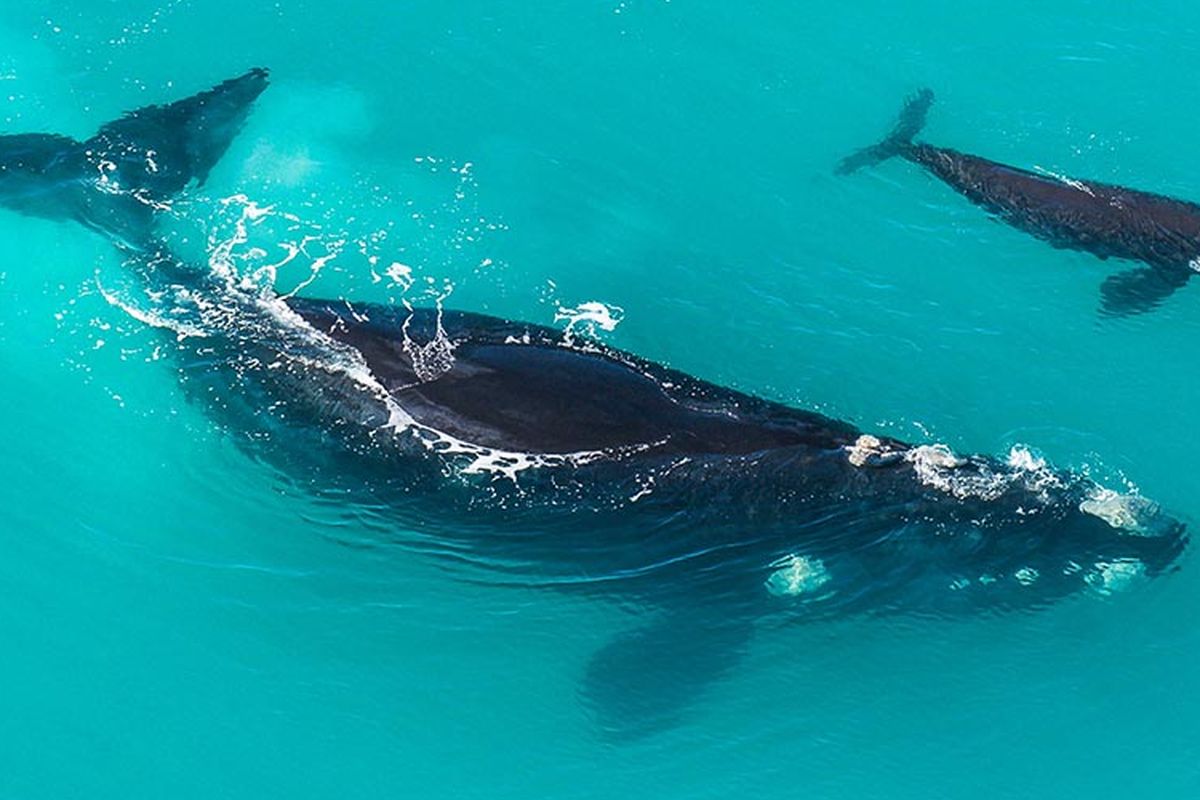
[[549, 459], [1103, 219]]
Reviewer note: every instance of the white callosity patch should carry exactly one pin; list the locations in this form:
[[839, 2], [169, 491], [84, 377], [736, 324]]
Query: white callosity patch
[[1126, 512], [1107, 577], [796, 575], [869, 450], [936, 465], [1194, 264], [432, 359]]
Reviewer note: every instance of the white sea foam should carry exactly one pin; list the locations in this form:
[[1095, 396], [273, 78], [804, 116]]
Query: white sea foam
[[1072, 182], [938, 466], [1033, 471], [154, 318], [400, 274], [591, 316]]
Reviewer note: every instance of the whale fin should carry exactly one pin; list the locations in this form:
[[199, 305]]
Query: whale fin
[[644, 680], [22, 150], [1137, 291], [181, 141], [117, 181], [34, 167], [909, 124]]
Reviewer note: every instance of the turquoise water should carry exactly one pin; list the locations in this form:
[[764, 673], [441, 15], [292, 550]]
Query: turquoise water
[[180, 622]]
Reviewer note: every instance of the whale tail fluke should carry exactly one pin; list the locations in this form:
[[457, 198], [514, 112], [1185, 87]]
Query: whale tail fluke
[[912, 119], [180, 142], [116, 181]]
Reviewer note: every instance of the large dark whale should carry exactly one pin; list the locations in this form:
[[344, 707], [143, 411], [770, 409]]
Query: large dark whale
[[1105, 220], [524, 454]]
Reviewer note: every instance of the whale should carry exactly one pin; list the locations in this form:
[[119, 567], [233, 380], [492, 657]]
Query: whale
[[1106, 220], [524, 455]]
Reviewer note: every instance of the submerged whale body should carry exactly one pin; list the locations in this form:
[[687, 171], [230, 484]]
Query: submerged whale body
[[1105, 220], [557, 461]]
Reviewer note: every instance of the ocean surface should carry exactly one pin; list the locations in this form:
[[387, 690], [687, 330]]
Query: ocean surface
[[178, 621]]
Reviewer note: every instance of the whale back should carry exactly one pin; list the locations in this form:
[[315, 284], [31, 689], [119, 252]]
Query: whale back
[[530, 389]]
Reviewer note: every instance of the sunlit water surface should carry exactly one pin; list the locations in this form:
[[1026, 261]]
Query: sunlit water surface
[[181, 621]]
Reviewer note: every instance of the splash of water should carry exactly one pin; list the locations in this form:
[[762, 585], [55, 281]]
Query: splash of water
[[592, 316]]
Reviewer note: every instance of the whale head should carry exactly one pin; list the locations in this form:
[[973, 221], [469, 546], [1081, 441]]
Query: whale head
[[929, 532], [1044, 543]]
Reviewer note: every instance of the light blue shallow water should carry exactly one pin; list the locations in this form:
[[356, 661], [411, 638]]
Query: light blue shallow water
[[178, 622]]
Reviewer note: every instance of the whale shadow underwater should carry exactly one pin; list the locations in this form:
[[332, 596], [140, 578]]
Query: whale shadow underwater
[[557, 461], [1102, 219]]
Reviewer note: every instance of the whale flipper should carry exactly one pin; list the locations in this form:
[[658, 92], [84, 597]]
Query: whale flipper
[[1137, 291], [908, 125], [644, 680]]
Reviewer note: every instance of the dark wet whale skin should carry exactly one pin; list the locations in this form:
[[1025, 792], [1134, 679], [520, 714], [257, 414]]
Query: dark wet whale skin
[[1105, 220], [531, 389], [692, 457]]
